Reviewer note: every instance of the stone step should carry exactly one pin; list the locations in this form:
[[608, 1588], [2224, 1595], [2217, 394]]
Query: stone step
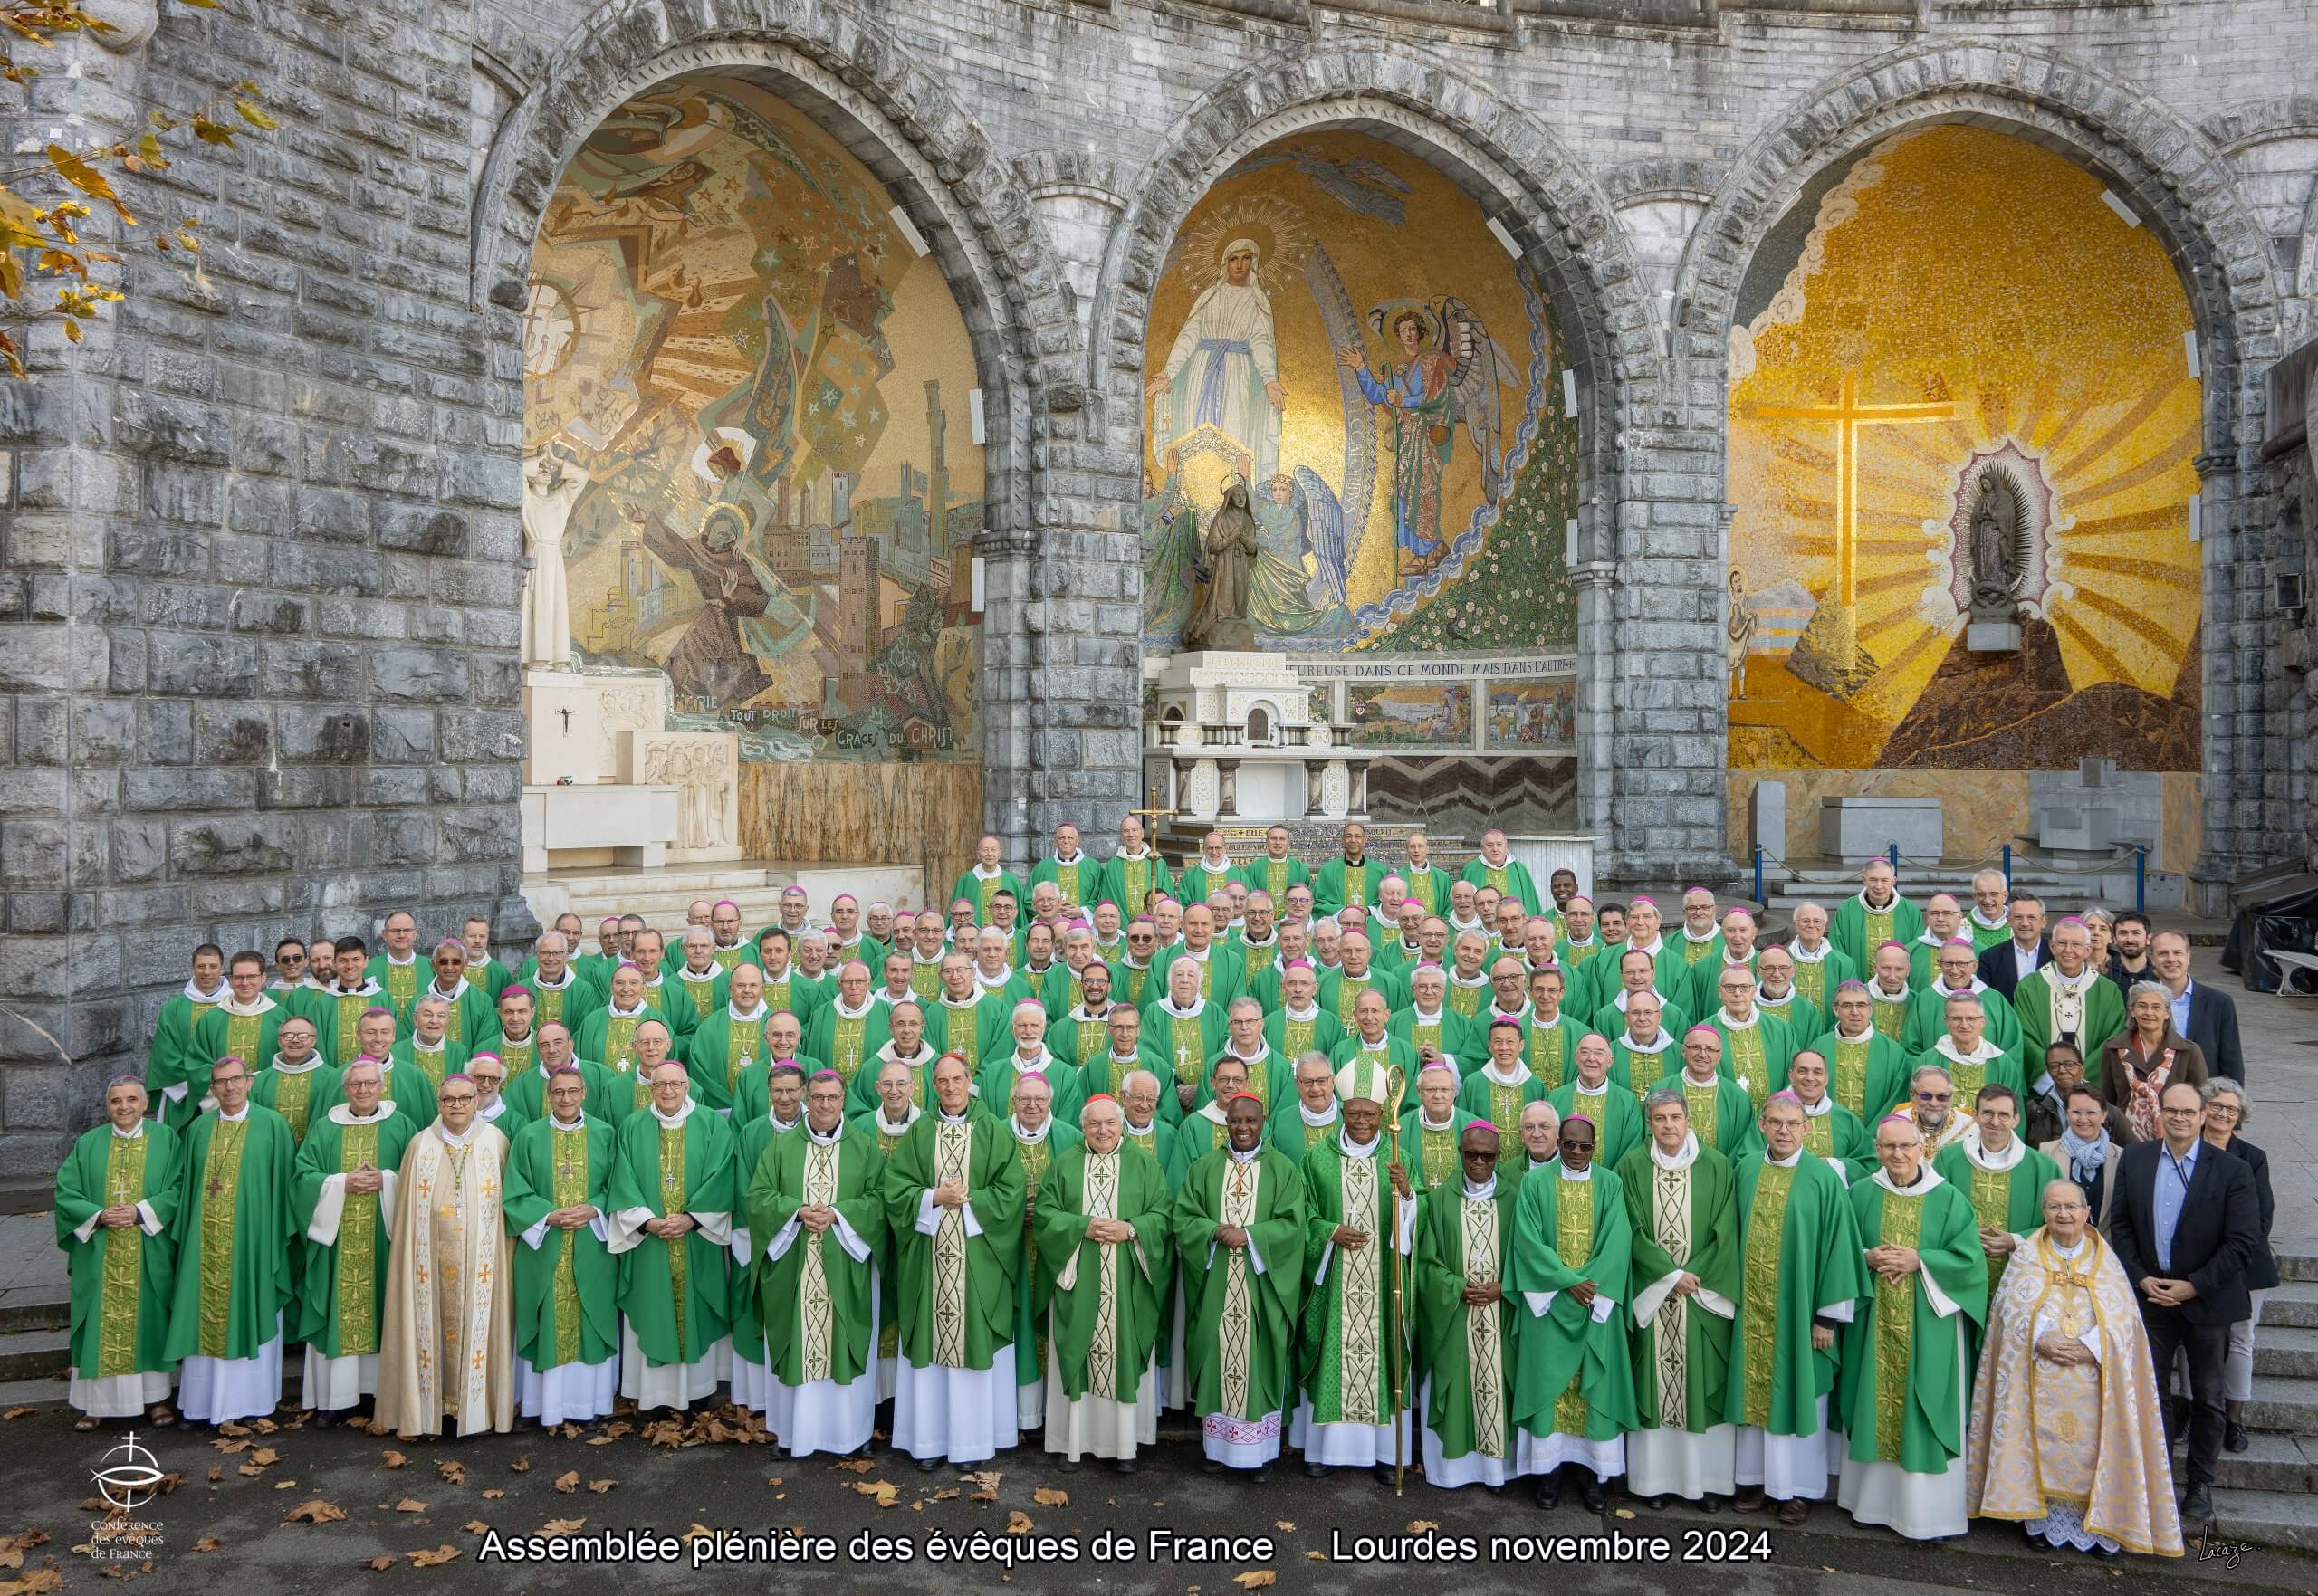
[[665, 912], [709, 881], [2273, 1518], [2271, 1463], [2284, 1404], [33, 1354], [2298, 1258], [46, 1307], [2289, 1353], [2294, 1305]]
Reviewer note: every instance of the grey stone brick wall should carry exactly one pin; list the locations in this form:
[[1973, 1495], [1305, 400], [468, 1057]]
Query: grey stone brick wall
[[258, 569]]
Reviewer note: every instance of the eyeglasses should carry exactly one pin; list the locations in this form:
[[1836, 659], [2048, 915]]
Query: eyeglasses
[[2222, 1111], [1935, 1097], [2192, 1111], [463, 1100]]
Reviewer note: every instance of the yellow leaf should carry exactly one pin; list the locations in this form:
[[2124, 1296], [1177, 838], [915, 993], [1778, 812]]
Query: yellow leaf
[[569, 1481], [1418, 1527], [1050, 1496], [17, 1412], [380, 1563], [410, 1504], [885, 1491], [456, 1473], [1018, 1522], [1255, 1579], [855, 1464], [394, 1460], [475, 1526], [600, 1485], [1315, 1557], [1283, 1523], [699, 1532], [441, 1554], [523, 1464], [212, 132], [1624, 1512], [315, 1512], [40, 1582], [148, 148], [254, 117], [946, 1494], [91, 182], [561, 1527], [210, 1544], [494, 1494]]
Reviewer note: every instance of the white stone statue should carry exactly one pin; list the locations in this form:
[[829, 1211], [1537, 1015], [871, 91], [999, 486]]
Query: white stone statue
[[552, 486]]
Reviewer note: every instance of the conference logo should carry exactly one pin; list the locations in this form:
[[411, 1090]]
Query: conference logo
[[131, 1476]]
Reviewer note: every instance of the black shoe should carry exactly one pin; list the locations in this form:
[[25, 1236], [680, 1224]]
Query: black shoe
[[1211, 1466], [1659, 1503], [2197, 1507], [1262, 1475], [186, 1423], [325, 1420], [1383, 1475], [1595, 1499], [927, 1465], [1069, 1465], [2234, 1438], [1711, 1503], [1316, 1471], [1549, 1492], [1122, 1466]]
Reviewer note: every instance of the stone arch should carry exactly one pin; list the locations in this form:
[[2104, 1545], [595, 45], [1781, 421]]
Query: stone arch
[[840, 66], [2173, 176]]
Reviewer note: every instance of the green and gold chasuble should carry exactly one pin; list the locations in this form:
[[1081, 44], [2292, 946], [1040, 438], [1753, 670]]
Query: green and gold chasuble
[[235, 1228], [566, 1287], [1904, 1360], [120, 1278], [342, 1285], [1574, 1372], [1802, 1257], [956, 1291]]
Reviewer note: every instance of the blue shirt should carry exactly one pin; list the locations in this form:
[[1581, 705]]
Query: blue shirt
[[2181, 1007], [2174, 1179]]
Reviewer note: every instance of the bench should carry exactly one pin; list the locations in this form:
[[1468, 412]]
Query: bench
[[2291, 965]]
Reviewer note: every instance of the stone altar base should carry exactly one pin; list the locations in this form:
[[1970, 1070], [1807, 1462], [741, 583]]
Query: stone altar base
[[662, 894]]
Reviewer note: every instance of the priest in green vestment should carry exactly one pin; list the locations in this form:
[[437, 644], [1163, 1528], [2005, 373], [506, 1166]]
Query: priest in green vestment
[[397, 966], [1776, 996], [848, 1029], [1039, 1138], [1943, 923], [1369, 1041], [243, 1023], [470, 1016], [1430, 1126], [1714, 1106], [607, 1035], [1610, 1108], [560, 993], [1104, 1072], [1134, 875], [693, 981], [346, 997], [2068, 999], [1801, 1278], [117, 1195], [516, 1042], [1820, 966], [235, 1232], [429, 1047], [343, 1189], [728, 1040], [986, 878], [1239, 1224], [526, 1089], [1359, 1232], [1685, 1280], [1298, 1025], [1989, 919], [172, 1067], [297, 1085], [1351, 878], [1873, 915], [1029, 1056], [1495, 866], [1644, 1051], [1906, 1381], [1970, 1055], [1276, 869], [674, 1190], [1830, 1131], [1572, 1256], [482, 970], [1072, 871], [1187, 1027], [1637, 972], [558, 1197], [1434, 1030], [817, 1220], [1867, 1070], [1501, 1088], [895, 1107], [1736, 935], [1464, 1325], [954, 1199], [1756, 1045], [1102, 1239], [2002, 1177], [1205, 874], [1891, 999], [1953, 976]]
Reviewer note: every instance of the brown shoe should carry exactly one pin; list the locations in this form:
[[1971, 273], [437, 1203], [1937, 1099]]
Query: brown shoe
[[1794, 1510], [1747, 1499]]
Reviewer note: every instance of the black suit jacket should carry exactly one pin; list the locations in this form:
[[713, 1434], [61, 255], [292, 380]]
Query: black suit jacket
[[2214, 1242], [2213, 1026], [1999, 969]]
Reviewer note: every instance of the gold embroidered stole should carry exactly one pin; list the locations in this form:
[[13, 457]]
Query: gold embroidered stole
[[1574, 1241], [358, 1246], [222, 1187], [569, 1148], [817, 1309], [952, 1147], [1765, 1230], [1670, 1226], [1101, 1201], [1236, 1325], [1484, 1352], [674, 1186], [1895, 1325], [124, 1260], [1545, 1050]]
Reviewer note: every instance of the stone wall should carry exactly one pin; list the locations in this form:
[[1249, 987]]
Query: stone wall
[[257, 631]]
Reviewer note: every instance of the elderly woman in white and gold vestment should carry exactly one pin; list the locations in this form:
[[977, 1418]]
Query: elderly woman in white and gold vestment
[[2066, 1435]]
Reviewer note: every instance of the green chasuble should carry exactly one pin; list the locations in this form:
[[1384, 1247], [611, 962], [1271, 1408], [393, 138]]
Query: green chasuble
[[1102, 1073], [1890, 1015], [434, 1063], [235, 1230], [1618, 1127], [995, 1088], [1340, 884], [673, 1293], [722, 1045], [1904, 1371], [1510, 879], [120, 1278], [1927, 1022], [1351, 1365], [173, 1060], [525, 1092], [516, 1056], [2092, 1009], [604, 1036], [1549, 1048], [338, 1018], [1129, 883], [1190, 1037], [695, 995], [843, 1041], [1429, 1152], [814, 1301], [1110, 1300], [1754, 1056], [1032, 1284], [1340, 990], [1867, 1075], [1160, 1140], [1802, 1018], [1485, 1097], [1984, 935], [1684, 1218], [400, 982], [567, 1005], [1271, 1077], [1396, 1057], [956, 1291], [1081, 882], [301, 1096], [566, 1286], [1238, 1323], [1856, 930], [1286, 1128], [980, 888], [1830, 1131], [754, 1134], [1199, 882], [2006, 1191], [1817, 978], [1721, 1113], [973, 1030], [1264, 873], [1574, 1371], [225, 1031], [343, 1284], [1467, 1352], [471, 1015], [1802, 1252], [1989, 1068], [1446, 1032], [1640, 1069], [1318, 1031]]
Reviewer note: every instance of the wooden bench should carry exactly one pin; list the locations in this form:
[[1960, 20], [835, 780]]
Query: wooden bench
[[2291, 964]]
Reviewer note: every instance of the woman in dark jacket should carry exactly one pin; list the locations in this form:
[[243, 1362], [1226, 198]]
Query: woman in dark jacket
[[2226, 1114], [2147, 1056]]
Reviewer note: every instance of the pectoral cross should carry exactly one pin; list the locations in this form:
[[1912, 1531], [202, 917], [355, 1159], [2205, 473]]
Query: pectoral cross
[[1849, 414]]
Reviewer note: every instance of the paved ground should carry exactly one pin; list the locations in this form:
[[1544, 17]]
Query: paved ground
[[1309, 1531]]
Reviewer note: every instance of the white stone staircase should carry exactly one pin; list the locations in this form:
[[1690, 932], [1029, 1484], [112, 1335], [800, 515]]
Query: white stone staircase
[[662, 896]]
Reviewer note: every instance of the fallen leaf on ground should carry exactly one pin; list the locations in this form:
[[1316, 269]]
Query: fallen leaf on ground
[[265, 1426], [699, 1532], [394, 1460], [523, 1464], [1283, 1523], [380, 1563], [1255, 1579], [1050, 1496], [494, 1494], [561, 1527], [600, 1441], [216, 1473], [1418, 1527], [315, 1512], [567, 1482], [210, 1544], [885, 1491], [39, 1582], [456, 1473], [1624, 1512], [18, 1413], [230, 1428], [12, 1549], [856, 1464], [600, 1485], [946, 1494], [441, 1554], [475, 1526], [230, 1448], [410, 1504], [1018, 1522], [1315, 1557]]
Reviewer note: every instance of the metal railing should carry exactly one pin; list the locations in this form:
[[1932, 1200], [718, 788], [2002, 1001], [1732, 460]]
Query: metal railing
[[2139, 853]]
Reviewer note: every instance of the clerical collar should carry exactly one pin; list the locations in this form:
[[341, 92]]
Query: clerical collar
[[1655, 946], [577, 1123], [1932, 939], [1987, 1050], [1927, 1179], [1458, 926], [1270, 941], [781, 1127], [1469, 982], [1569, 1174], [498, 1106], [1116, 1057], [1199, 1005], [1713, 1078], [721, 944], [1520, 1015], [244, 1115], [698, 976], [1077, 858], [991, 982], [1419, 1016], [541, 982], [129, 1135], [1996, 1164], [1871, 906], [949, 1003], [948, 1118], [1875, 990], [1521, 1072], [1038, 1063], [616, 1012], [1033, 1138], [434, 989], [671, 1121], [1485, 1192], [819, 1140], [282, 1066], [2052, 974], [987, 873], [1691, 936], [1582, 1090], [1352, 1148], [1145, 853], [420, 1045], [406, 961], [462, 1137], [1764, 999], [1998, 923], [343, 1113], [867, 1004], [1787, 1162], [1584, 941], [1809, 955], [1819, 1109], [1304, 1016], [1262, 1052], [1135, 1130], [1746, 1024], [1082, 1015], [1682, 1158], [1423, 1123], [1665, 1040], [525, 1040], [1318, 1121], [1844, 1035], [1538, 1163], [1941, 986], [261, 1004], [891, 1129], [1247, 1157]]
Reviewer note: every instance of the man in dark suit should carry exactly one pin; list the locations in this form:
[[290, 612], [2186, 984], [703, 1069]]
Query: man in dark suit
[[2002, 965], [2185, 1226], [2204, 1015]]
